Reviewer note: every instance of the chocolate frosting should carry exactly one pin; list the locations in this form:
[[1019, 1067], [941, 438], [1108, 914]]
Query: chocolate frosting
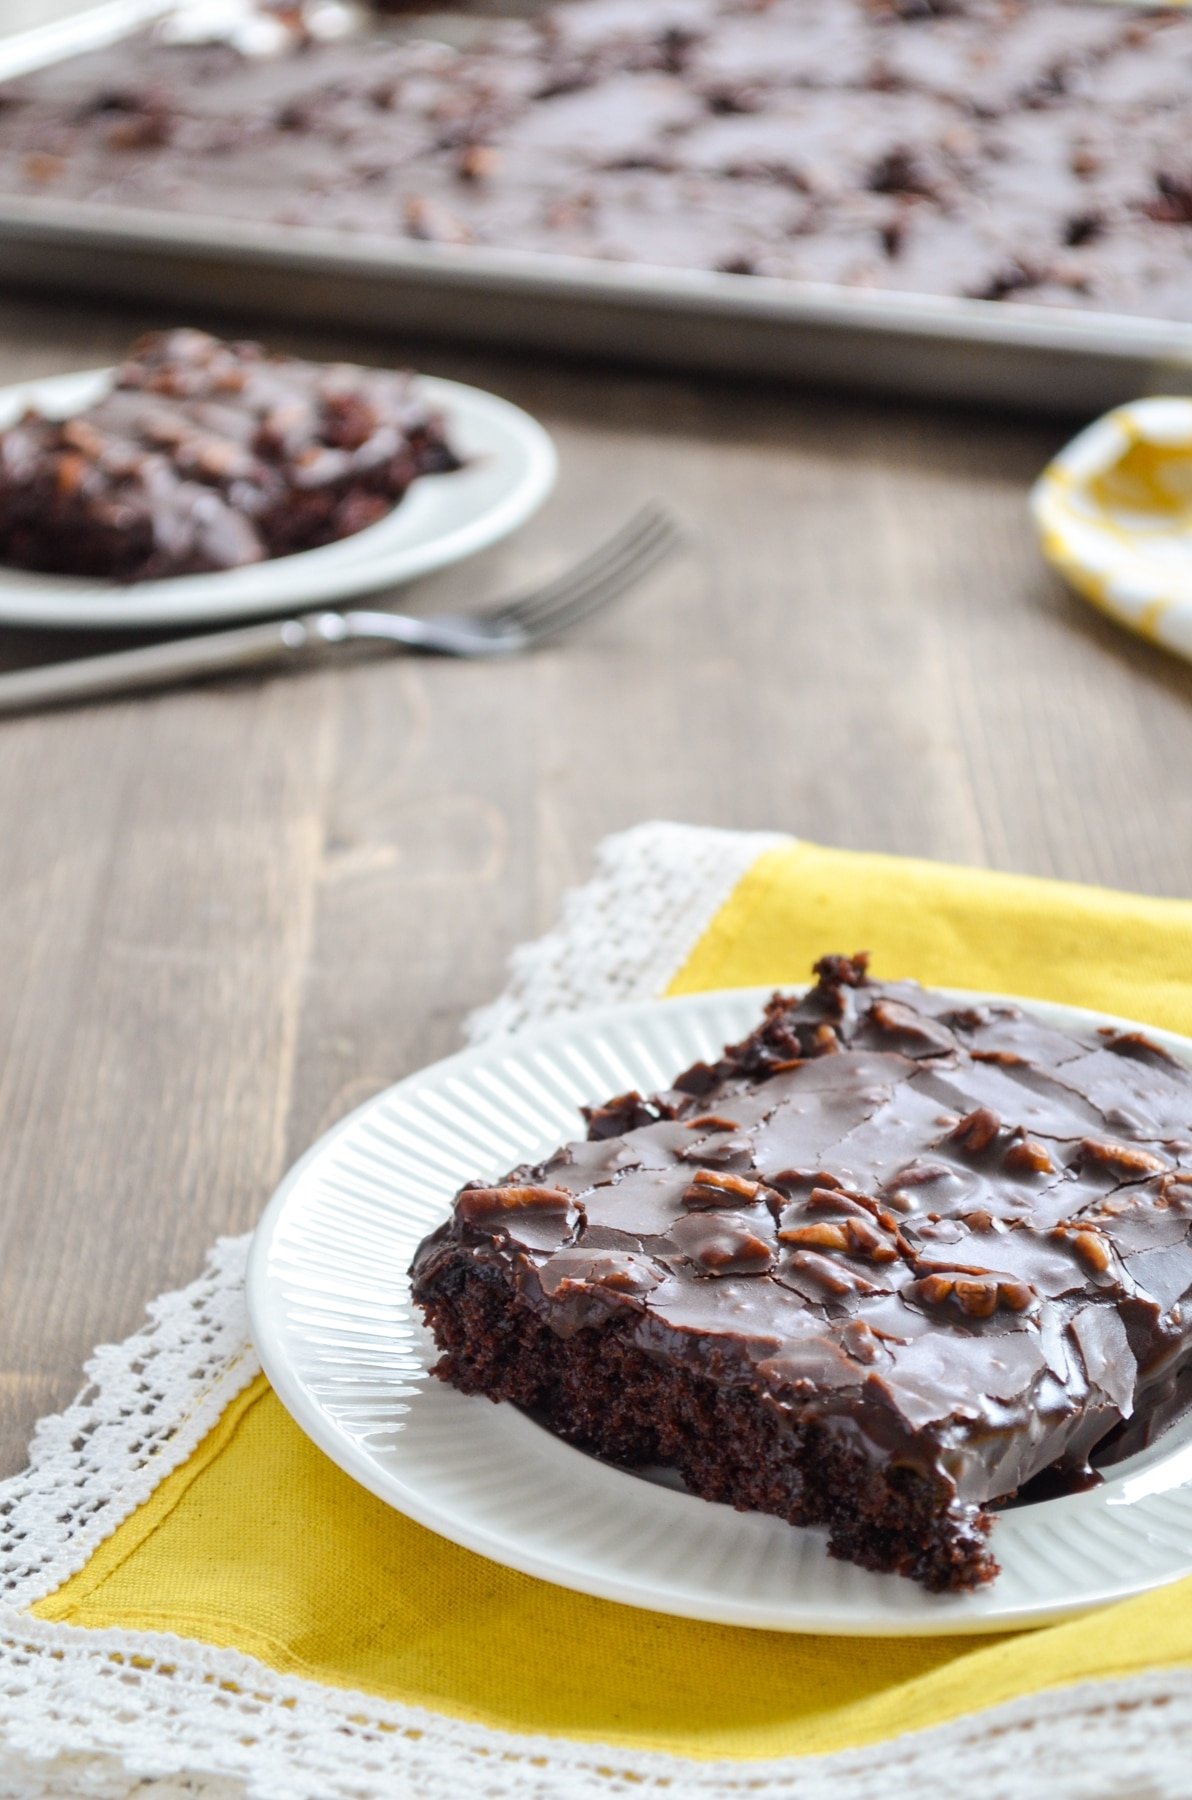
[[206, 455], [1010, 150], [959, 1236]]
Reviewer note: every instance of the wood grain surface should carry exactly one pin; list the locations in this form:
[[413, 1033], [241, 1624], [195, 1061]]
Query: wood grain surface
[[227, 915]]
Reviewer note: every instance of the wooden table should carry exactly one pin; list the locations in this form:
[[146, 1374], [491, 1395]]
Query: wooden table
[[230, 914]]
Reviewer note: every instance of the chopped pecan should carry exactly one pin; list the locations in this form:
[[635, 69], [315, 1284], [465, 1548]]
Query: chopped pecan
[[1125, 1159], [1140, 1048], [861, 1343], [855, 1237], [487, 1205], [431, 223], [478, 162], [70, 472], [1029, 1157], [572, 1271], [834, 1200], [625, 1281], [1019, 1296], [978, 1295], [793, 1180], [714, 1187], [976, 1131], [42, 166], [1092, 1250], [735, 1252], [215, 459], [829, 1276], [822, 1236], [922, 1174]]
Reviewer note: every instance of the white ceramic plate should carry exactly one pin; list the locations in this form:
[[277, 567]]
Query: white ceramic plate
[[510, 469], [331, 1317]]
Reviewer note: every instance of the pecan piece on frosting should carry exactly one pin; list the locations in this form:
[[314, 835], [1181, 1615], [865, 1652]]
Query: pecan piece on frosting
[[1090, 1248], [717, 1187], [730, 1251], [1028, 1157], [489, 1205], [829, 1277], [853, 1237], [976, 1131], [976, 1296], [1125, 1159]]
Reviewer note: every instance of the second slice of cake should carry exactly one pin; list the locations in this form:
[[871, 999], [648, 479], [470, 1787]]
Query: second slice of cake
[[206, 455]]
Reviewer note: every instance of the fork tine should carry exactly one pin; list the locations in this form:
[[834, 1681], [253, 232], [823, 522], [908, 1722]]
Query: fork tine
[[537, 606], [594, 597], [624, 556], [524, 606], [579, 573], [598, 594], [616, 571]]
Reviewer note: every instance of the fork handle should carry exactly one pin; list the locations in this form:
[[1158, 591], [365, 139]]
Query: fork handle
[[162, 665]]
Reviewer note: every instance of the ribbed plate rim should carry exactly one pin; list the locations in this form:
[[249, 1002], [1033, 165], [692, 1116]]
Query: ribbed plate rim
[[1127, 1507]]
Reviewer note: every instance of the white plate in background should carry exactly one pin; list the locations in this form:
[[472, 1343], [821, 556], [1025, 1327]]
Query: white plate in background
[[510, 468]]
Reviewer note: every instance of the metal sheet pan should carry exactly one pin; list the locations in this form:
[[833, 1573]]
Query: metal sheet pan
[[1041, 358]]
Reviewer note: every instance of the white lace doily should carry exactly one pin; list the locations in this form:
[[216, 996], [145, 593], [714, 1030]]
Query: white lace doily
[[110, 1714]]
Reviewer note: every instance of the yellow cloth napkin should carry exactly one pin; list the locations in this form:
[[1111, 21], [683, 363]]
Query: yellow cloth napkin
[[261, 1544]]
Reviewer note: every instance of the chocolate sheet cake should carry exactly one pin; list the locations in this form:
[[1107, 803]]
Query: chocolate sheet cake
[[208, 455], [1010, 150], [888, 1264]]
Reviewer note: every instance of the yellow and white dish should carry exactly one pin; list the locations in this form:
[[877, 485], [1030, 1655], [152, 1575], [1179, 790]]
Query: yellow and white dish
[[1114, 511]]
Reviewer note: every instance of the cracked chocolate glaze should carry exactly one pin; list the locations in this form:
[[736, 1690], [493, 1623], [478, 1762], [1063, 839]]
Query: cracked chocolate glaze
[[1008, 150], [958, 1239]]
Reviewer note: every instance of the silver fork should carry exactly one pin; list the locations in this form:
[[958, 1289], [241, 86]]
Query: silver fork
[[503, 629]]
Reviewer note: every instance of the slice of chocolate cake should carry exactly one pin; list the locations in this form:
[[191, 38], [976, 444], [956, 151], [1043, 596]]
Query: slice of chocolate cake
[[206, 455], [886, 1263]]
